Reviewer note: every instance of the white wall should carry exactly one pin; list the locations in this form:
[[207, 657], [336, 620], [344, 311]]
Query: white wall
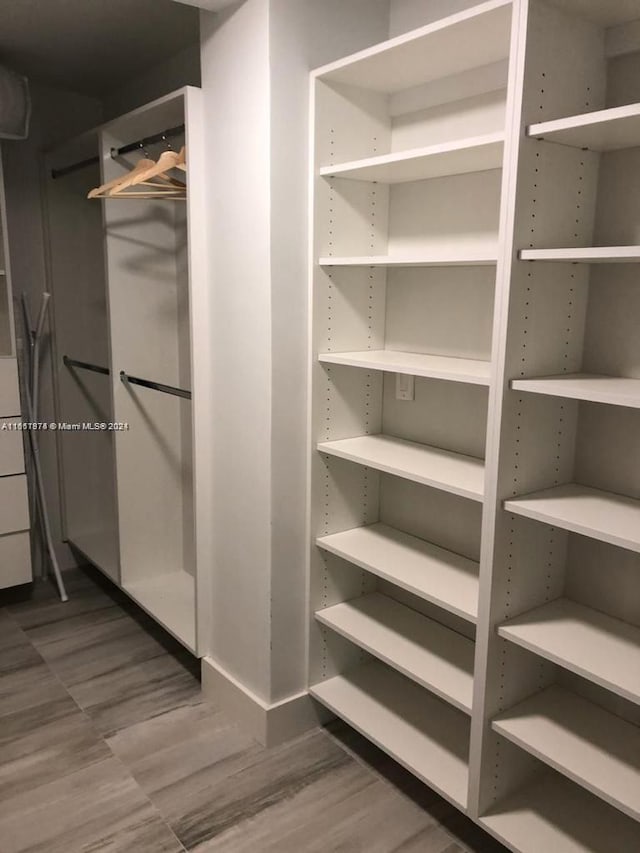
[[56, 115], [304, 34], [235, 78], [409, 14], [256, 60], [181, 69]]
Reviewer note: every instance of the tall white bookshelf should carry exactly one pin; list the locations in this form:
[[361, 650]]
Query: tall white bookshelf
[[475, 491]]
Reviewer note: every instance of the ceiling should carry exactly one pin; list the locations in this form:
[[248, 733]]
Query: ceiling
[[92, 46]]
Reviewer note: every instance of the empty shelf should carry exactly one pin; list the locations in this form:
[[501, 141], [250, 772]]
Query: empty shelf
[[425, 651], [591, 644], [477, 258], [471, 371], [452, 472], [603, 130], [614, 390], [170, 599], [553, 814], [466, 40], [433, 161], [437, 575], [428, 737], [594, 748], [591, 512], [588, 255]]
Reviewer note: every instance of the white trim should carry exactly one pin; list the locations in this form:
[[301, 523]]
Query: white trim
[[269, 723]]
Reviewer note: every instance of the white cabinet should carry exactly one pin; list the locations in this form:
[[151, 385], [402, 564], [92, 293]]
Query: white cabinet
[[130, 300]]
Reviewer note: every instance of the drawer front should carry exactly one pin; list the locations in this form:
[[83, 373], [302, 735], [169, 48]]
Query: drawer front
[[11, 448], [15, 560], [14, 504], [9, 388]]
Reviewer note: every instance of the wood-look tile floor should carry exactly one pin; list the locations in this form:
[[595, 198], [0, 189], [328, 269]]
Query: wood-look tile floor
[[107, 745]]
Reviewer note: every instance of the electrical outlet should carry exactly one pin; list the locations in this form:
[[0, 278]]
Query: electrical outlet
[[405, 387]]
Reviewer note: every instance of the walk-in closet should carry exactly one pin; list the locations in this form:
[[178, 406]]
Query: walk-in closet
[[319, 426]]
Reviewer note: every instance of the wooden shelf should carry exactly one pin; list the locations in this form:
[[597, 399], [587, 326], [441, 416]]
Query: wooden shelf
[[591, 512], [470, 371], [588, 255], [595, 646], [420, 648], [439, 576], [451, 472], [428, 737], [475, 154], [603, 130], [479, 258], [554, 814], [593, 747], [614, 390], [460, 42], [170, 599]]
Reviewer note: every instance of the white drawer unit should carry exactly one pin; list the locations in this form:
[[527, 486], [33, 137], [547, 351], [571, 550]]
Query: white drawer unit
[[15, 559], [11, 448], [9, 387], [14, 504]]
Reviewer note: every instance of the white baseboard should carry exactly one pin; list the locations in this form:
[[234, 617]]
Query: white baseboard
[[269, 724]]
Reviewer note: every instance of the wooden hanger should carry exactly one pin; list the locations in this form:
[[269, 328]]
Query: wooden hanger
[[168, 160], [141, 166]]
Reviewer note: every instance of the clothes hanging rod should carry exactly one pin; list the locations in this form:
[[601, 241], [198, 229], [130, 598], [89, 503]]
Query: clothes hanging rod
[[155, 386], [85, 365], [169, 133]]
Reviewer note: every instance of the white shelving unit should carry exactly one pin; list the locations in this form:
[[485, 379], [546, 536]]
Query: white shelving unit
[[493, 514]]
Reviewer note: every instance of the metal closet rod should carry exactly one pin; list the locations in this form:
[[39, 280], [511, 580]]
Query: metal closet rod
[[169, 133], [155, 386], [85, 365]]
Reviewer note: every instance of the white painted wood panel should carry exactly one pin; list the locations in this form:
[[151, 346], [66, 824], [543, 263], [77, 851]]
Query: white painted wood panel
[[422, 733], [602, 130], [588, 255], [552, 813], [584, 641], [486, 256], [416, 364], [615, 391], [430, 52], [594, 748], [435, 574], [431, 466], [15, 559], [426, 652], [453, 158], [11, 447], [9, 389], [14, 504], [591, 512]]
